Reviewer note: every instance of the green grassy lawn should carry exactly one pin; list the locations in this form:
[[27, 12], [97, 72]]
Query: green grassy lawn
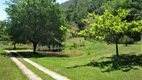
[[93, 61], [8, 69], [96, 62]]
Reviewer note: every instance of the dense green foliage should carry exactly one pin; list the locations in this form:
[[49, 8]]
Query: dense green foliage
[[36, 21], [76, 11], [111, 28], [99, 6], [3, 33], [133, 5]]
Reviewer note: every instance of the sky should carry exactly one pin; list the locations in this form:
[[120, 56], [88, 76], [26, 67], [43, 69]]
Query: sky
[[3, 6]]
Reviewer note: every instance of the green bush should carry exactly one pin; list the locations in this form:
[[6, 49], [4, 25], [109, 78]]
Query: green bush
[[126, 40]]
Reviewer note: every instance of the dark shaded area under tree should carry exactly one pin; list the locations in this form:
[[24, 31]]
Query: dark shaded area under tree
[[124, 63]]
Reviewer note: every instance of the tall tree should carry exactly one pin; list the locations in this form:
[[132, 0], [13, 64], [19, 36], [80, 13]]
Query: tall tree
[[36, 21]]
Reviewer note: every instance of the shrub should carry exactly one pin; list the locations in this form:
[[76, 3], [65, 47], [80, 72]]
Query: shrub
[[126, 40]]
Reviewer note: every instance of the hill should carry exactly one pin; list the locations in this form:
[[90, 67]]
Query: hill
[[76, 10], [65, 5]]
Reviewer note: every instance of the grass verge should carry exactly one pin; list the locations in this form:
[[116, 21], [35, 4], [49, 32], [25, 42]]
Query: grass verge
[[8, 69]]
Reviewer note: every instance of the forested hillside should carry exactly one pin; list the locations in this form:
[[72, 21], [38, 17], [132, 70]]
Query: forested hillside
[[76, 10], [66, 5]]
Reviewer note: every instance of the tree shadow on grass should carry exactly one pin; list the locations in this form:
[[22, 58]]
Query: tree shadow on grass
[[124, 63], [38, 55], [16, 48]]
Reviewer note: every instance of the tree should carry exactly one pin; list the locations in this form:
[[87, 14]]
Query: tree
[[55, 36], [111, 28], [77, 11], [3, 27], [36, 21], [135, 7], [15, 22]]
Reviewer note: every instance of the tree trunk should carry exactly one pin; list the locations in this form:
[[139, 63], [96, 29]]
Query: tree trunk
[[126, 44], [85, 38], [117, 48], [34, 47], [14, 46], [49, 48]]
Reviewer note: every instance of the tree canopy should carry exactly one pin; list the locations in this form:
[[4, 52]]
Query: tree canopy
[[111, 28], [36, 21]]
